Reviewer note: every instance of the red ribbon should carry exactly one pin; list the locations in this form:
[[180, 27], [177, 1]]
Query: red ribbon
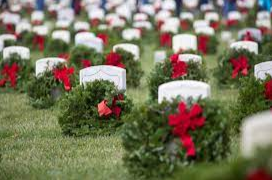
[[104, 110], [268, 90], [104, 38], [159, 24], [10, 74], [264, 30], [39, 40], [215, 24], [36, 22], [10, 28], [184, 24], [259, 174], [184, 121], [86, 63], [179, 68], [166, 39], [114, 59], [232, 22], [65, 56], [239, 64], [94, 22], [203, 41], [248, 37], [62, 75]]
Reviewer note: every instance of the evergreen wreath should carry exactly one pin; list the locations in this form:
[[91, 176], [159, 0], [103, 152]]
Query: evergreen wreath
[[15, 72], [56, 47], [95, 108], [46, 89], [207, 44], [173, 69], [255, 95], [157, 142], [234, 64]]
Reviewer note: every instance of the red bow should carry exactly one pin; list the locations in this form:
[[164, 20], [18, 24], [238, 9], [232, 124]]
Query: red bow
[[184, 24], [10, 74], [184, 121], [248, 37], [239, 64], [268, 90], [10, 28], [63, 76], [94, 22], [203, 41], [259, 175], [86, 63], [232, 22], [65, 56], [264, 30], [166, 39], [159, 24], [104, 110], [39, 40], [104, 38], [114, 59], [179, 68], [215, 24], [36, 22]]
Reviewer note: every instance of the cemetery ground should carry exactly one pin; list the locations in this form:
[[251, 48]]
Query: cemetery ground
[[33, 147]]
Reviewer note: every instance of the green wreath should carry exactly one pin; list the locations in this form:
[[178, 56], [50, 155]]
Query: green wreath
[[162, 73], [80, 113], [55, 47], [21, 72], [211, 44], [152, 150], [253, 97], [224, 71], [45, 90]]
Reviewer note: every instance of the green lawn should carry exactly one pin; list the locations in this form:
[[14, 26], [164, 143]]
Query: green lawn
[[32, 146]]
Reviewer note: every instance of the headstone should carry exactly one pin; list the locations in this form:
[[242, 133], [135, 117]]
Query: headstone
[[96, 14], [66, 14], [140, 17], [263, 15], [263, 69], [63, 24], [211, 16], [131, 34], [5, 37], [206, 7], [187, 15], [248, 45], [162, 15], [263, 23], [184, 42], [47, 63], [132, 48], [11, 18], [148, 9], [254, 32], [41, 30], [142, 24], [226, 36], [200, 23], [63, 35], [124, 11], [256, 133], [22, 26], [190, 4], [169, 5], [159, 56], [23, 52], [205, 30], [111, 73], [37, 16], [190, 57], [81, 26], [234, 15], [170, 25], [186, 89]]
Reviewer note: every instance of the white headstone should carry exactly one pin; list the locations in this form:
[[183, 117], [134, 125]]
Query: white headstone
[[80, 25], [162, 15], [148, 9], [190, 57], [248, 45], [206, 7], [159, 56], [263, 23], [234, 15], [37, 16], [254, 32], [110, 73], [5, 37], [66, 14], [263, 15], [190, 3], [200, 23], [132, 48], [64, 24], [256, 133], [63, 35], [23, 26], [124, 11], [169, 5], [205, 30], [41, 30], [96, 14], [263, 69], [88, 39], [187, 15], [140, 17], [186, 89], [131, 34], [11, 18], [211, 16], [23, 52], [171, 25], [47, 63], [142, 24], [184, 42], [226, 36]]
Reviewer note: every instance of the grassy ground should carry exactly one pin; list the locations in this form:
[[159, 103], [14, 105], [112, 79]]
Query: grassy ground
[[32, 146]]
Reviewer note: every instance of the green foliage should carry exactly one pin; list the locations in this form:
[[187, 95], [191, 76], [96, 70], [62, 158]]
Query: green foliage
[[9, 43], [134, 70], [152, 150], [44, 90], [54, 47], [250, 101], [79, 114], [212, 45], [163, 71], [223, 72], [24, 72], [239, 169], [82, 52], [26, 38], [266, 49], [251, 16]]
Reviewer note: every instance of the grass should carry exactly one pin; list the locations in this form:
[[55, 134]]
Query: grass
[[32, 146]]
